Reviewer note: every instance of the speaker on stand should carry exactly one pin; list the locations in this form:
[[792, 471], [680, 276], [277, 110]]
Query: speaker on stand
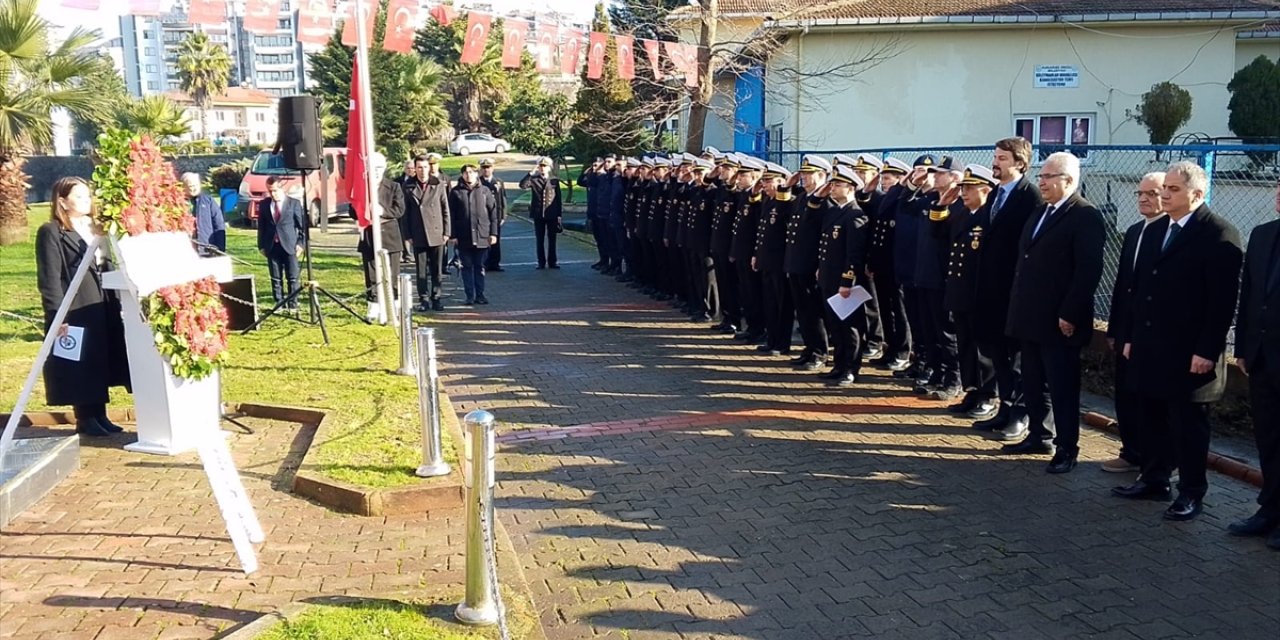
[[298, 137]]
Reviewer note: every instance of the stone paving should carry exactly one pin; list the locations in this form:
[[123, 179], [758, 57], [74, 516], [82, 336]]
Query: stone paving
[[662, 481]]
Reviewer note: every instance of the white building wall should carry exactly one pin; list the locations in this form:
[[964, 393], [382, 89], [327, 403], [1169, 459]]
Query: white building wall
[[966, 86], [1249, 49]]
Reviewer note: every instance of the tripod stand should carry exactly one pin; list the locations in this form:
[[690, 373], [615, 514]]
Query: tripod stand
[[315, 315]]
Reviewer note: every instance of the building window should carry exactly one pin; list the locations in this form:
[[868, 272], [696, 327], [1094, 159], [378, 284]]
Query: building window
[[222, 116], [151, 68], [175, 86], [149, 51], [1072, 130], [147, 35], [260, 117], [153, 85]]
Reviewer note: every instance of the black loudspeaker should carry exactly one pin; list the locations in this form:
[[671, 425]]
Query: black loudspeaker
[[298, 139], [240, 294]]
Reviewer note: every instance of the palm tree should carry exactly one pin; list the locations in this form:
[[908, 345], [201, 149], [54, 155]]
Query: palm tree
[[204, 69], [421, 82], [35, 79], [474, 83], [155, 115]]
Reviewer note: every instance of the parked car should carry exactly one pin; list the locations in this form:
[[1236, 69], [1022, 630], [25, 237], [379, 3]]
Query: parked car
[[253, 187], [469, 143]]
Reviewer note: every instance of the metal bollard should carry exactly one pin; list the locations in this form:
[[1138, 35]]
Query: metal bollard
[[479, 607], [433, 463], [407, 366], [389, 310]]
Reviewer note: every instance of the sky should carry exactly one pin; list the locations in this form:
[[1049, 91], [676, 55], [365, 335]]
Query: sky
[[105, 19]]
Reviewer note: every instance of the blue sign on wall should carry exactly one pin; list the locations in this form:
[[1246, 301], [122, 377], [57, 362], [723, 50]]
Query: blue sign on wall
[[748, 117]]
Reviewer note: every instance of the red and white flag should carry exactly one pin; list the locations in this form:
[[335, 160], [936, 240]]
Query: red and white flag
[[690, 65], [357, 190], [595, 54], [626, 57], [211, 12], [144, 7], [369, 10], [262, 16], [315, 21], [444, 14], [514, 31], [402, 21], [571, 52], [478, 25], [655, 57], [546, 48]]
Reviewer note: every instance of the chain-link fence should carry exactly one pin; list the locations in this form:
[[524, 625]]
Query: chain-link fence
[[1241, 189]]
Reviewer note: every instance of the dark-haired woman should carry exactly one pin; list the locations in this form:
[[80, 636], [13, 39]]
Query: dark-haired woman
[[61, 244]]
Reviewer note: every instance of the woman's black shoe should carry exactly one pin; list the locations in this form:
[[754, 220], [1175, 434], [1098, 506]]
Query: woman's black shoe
[[91, 427]]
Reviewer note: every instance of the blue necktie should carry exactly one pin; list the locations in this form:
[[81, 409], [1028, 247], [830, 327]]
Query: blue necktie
[[1174, 229], [1001, 194]]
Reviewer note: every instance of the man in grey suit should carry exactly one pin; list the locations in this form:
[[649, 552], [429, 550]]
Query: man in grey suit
[[426, 205]]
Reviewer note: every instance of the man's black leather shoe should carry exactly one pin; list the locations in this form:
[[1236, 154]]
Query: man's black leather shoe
[[996, 422], [1257, 524], [833, 374], [983, 409], [437, 305], [1141, 490], [964, 405], [109, 425], [1184, 508], [1028, 447], [1062, 462], [846, 380], [91, 427], [801, 359]]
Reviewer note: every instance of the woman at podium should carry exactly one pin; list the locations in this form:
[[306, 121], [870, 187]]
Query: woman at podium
[[89, 356]]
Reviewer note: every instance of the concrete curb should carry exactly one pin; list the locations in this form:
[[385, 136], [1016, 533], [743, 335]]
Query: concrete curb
[[1218, 462]]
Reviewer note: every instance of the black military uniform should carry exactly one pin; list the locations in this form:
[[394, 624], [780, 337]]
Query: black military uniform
[[800, 263], [771, 246], [721, 240], [741, 249], [880, 262], [698, 244], [842, 253], [965, 231]]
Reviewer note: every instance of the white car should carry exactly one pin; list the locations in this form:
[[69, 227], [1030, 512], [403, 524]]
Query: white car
[[469, 143]]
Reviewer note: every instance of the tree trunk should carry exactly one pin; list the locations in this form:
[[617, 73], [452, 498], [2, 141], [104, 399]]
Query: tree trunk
[[13, 202], [204, 123], [700, 102]]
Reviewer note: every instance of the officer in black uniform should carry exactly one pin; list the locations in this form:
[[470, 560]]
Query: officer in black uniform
[[697, 242], [842, 254], [730, 200], [880, 267], [911, 214], [659, 204], [931, 257], [867, 167], [771, 245], [800, 259], [741, 249], [966, 227]]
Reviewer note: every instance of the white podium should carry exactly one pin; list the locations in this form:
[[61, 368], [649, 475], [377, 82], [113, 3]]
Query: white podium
[[172, 413]]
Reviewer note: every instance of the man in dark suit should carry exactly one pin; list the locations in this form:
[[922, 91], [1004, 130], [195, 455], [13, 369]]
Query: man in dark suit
[[426, 203], [1051, 309], [282, 233], [1009, 206], [544, 210], [1135, 259], [404, 180], [493, 261], [391, 204], [475, 225], [1179, 314], [1258, 355]]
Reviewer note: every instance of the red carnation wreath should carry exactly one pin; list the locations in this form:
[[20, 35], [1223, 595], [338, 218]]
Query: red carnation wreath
[[137, 192]]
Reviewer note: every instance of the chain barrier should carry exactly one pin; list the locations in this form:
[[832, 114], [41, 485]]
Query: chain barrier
[[491, 568], [32, 321]]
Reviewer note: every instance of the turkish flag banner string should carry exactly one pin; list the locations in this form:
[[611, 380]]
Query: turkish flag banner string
[[595, 55], [262, 16], [478, 25], [315, 21], [655, 58], [144, 7], [626, 57], [443, 14], [402, 21], [676, 54], [691, 62], [210, 12], [369, 9], [514, 32], [546, 48], [571, 52]]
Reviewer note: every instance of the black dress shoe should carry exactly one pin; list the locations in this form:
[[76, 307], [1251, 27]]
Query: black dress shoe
[[984, 409], [763, 348], [540, 267], [846, 380], [109, 425], [495, 268], [996, 422], [1030, 446], [482, 300], [964, 405], [1184, 508], [1063, 461], [873, 354], [91, 427], [1257, 524], [802, 358], [555, 266], [812, 365], [834, 374], [437, 305], [1141, 490]]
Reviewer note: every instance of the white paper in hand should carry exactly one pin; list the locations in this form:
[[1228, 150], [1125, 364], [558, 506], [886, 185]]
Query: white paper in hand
[[845, 306], [68, 347]]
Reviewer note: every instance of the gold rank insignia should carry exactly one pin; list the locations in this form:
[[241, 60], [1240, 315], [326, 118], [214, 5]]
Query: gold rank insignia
[[939, 215], [976, 233], [848, 275], [835, 232], [773, 218]]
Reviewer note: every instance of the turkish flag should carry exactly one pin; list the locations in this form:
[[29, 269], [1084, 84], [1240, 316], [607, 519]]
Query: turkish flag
[[514, 32], [595, 54], [571, 52], [473, 44], [690, 65], [402, 21], [315, 21], [357, 190], [144, 7], [444, 14], [626, 57], [369, 9], [655, 57], [546, 48], [261, 16], [210, 12], [675, 53], [91, 5]]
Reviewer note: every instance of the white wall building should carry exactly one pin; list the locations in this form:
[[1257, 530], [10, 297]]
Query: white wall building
[[249, 116]]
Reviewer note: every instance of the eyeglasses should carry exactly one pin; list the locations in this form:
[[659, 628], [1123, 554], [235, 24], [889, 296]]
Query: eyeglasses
[[1051, 176], [1149, 194]]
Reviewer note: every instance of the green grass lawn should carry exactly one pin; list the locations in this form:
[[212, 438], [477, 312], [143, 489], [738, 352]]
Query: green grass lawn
[[373, 435], [371, 620]]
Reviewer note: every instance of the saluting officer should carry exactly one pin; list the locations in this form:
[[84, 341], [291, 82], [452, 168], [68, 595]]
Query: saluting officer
[[966, 228], [702, 201], [880, 267], [842, 254], [721, 242], [911, 213], [800, 260], [867, 167], [930, 280], [657, 221], [741, 249], [771, 245]]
